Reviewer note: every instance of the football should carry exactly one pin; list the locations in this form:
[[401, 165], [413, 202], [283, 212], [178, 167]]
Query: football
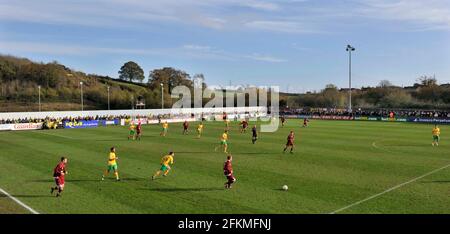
[[285, 187]]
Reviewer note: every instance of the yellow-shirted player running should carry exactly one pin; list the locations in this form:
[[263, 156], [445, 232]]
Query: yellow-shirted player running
[[165, 127], [112, 164], [165, 167], [223, 142], [436, 135], [199, 130]]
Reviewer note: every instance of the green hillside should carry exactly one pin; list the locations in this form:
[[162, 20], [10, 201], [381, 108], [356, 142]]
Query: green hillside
[[60, 88]]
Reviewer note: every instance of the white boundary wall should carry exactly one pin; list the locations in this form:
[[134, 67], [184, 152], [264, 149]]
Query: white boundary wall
[[140, 112]]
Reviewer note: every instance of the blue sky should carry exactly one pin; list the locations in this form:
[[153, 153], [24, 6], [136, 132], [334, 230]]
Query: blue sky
[[296, 44]]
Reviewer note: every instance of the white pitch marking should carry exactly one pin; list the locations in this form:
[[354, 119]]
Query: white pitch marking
[[374, 144], [19, 202], [391, 189], [46, 133]]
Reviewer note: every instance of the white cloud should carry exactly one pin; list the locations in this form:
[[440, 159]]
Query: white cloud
[[188, 50], [208, 51], [260, 5], [265, 58], [282, 16], [197, 47], [112, 13], [68, 49], [281, 26], [426, 15], [209, 22]]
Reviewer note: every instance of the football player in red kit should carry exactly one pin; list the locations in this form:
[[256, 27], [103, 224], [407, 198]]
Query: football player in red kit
[[228, 172], [139, 131], [290, 142], [305, 122], [58, 174], [185, 127], [244, 126]]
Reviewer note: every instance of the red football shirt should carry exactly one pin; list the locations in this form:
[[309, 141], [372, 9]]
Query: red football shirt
[[61, 167], [290, 137], [227, 168]]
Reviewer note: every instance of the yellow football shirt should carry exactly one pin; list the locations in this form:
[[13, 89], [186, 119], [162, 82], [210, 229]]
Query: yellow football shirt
[[436, 131], [165, 125], [224, 136], [166, 160], [112, 158]]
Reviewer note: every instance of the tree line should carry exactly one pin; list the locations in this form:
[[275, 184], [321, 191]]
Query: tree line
[[426, 93]]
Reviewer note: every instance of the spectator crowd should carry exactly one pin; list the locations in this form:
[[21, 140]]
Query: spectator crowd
[[285, 112], [371, 113]]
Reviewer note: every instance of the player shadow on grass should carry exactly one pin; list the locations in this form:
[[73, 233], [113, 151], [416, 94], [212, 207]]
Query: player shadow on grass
[[43, 181], [107, 179], [52, 181], [183, 189], [437, 181], [209, 152], [122, 139], [27, 196], [90, 180], [256, 153], [193, 152], [279, 189]]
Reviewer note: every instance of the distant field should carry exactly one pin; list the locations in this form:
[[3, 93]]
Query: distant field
[[336, 165]]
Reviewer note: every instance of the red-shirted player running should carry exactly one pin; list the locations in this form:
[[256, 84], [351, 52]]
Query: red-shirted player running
[[139, 131], [305, 122], [244, 126], [58, 174], [185, 127], [228, 172], [290, 142]]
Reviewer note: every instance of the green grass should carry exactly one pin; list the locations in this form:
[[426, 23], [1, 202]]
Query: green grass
[[336, 163]]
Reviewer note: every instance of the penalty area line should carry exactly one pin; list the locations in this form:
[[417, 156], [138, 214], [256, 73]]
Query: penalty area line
[[19, 202], [389, 190]]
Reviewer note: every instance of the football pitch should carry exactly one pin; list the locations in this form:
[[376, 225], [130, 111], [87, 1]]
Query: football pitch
[[338, 166]]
